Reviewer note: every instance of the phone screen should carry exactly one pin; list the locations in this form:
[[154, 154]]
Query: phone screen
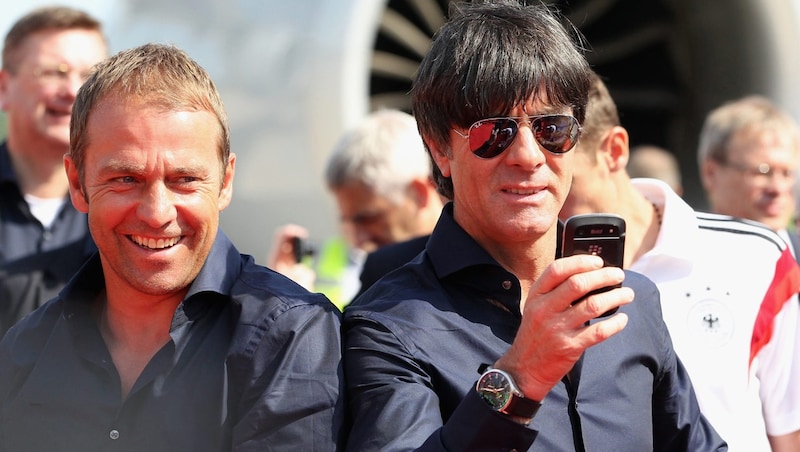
[[599, 234]]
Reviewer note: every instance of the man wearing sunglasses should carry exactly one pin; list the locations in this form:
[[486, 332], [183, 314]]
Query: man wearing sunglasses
[[485, 340], [728, 288]]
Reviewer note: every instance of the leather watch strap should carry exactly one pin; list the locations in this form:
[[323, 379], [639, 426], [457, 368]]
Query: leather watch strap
[[522, 407]]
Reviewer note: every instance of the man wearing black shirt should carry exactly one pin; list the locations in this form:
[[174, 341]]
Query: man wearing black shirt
[[486, 340], [168, 339]]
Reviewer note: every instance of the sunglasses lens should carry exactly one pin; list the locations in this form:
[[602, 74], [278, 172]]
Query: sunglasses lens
[[491, 137], [558, 134]]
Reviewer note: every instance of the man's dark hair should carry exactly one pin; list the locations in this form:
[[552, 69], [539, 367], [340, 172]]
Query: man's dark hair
[[489, 58]]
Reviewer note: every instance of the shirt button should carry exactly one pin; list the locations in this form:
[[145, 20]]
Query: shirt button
[[113, 434], [47, 235], [506, 284]]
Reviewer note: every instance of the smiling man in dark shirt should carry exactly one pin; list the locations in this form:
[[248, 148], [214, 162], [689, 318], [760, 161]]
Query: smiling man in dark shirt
[[476, 344], [168, 339]]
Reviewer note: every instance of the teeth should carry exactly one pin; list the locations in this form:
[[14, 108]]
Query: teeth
[[154, 244], [521, 192]]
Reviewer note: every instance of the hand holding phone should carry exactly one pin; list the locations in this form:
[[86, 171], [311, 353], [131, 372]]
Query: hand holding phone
[[301, 248], [601, 234]]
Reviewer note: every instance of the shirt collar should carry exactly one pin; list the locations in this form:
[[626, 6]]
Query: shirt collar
[[451, 249], [217, 276], [456, 256], [220, 269], [678, 224]]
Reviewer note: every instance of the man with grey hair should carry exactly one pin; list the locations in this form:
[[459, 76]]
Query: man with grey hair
[[380, 175], [748, 156]]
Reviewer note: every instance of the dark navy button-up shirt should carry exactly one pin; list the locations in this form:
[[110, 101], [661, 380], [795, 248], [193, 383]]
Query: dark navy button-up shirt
[[35, 263], [414, 343], [253, 364]]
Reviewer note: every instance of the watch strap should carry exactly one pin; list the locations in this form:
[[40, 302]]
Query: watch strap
[[522, 407]]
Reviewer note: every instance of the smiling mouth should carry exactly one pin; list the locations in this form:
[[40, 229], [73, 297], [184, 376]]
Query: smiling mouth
[[58, 113], [517, 191], [154, 244]]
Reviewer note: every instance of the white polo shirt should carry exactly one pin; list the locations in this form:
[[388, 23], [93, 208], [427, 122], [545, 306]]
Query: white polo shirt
[[729, 298]]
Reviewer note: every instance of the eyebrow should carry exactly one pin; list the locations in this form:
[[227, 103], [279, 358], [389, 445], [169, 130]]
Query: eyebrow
[[121, 166]]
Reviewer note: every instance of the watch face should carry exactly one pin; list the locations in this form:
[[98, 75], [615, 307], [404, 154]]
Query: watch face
[[495, 389]]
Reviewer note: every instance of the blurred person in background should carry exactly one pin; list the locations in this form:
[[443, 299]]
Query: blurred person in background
[[656, 162], [47, 55], [380, 175], [728, 288], [748, 154]]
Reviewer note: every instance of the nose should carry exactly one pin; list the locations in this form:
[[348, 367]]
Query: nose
[[355, 235], [779, 181], [157, 207], [363, 239], [70, 84], [525, 150]]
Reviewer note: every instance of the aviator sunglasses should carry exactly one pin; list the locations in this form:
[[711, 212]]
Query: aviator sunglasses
[[488, 138]]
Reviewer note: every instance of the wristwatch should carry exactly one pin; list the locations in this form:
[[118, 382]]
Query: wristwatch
[[498, 390]]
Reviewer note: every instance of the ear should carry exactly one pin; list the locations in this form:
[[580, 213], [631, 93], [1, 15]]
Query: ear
[[441, 159], [708, 174], [76, 192], [616, 148], [226, 193], [419, 189]]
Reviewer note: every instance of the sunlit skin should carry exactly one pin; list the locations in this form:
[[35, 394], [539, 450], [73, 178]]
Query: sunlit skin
[[38, 111], [765, 198], [370, 221], [514, 207], [588, 177], [153, 190], [600, 183], [509, 205]]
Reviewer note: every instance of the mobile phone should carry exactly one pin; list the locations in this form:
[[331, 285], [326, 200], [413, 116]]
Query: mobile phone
[[301, 248], [601, 234]]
